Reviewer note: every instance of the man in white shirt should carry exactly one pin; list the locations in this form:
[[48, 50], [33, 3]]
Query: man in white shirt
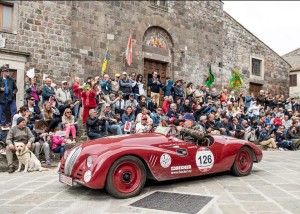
[[144, 125]]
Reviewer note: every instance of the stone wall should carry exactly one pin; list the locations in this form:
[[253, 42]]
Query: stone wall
[[43, 28], [240, 45], [195, 29], [68, 38], [293, 58]]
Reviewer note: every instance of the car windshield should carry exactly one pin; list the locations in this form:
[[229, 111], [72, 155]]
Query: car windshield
[[162, 130]]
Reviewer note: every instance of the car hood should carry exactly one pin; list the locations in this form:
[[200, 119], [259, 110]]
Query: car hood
[[117, 141]]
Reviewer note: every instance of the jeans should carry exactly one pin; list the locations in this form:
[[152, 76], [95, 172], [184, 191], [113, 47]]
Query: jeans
[[113, 127], [284, 144], [76, 111], [46, 148], [94, 135], [3, 106], [60, 149]]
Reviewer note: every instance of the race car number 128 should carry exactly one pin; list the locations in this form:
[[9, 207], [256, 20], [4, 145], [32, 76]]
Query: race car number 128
[[204, 159]]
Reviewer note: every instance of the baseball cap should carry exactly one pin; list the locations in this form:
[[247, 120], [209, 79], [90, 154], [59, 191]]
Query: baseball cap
[[117, 75], [124, 72], [131, 95], [5, 68], [64, 82], [188, 117]]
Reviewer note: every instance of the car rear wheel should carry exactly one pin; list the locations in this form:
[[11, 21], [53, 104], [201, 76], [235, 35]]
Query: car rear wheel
[[243, 162], [126, 177]]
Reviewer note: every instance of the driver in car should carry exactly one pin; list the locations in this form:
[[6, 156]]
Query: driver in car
[[191, 132]]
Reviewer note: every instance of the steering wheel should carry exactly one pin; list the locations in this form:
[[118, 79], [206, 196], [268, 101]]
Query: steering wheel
[[207, 140]]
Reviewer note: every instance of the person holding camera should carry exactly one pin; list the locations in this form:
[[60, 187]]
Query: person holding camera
[[35, 112], [178, 91], [106, 86]]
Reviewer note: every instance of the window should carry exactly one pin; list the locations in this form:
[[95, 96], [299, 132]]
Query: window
[[160, 3], [6, 17], [293, 80], [256, 67]]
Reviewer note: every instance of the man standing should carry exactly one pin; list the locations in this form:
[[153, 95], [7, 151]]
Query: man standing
[[125, 85], [8, 90], [155, 84], [115, 86], [48, 91], [106, 86], [77, 90]]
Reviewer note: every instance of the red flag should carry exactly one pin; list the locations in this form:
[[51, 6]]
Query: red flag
[[129, 51]]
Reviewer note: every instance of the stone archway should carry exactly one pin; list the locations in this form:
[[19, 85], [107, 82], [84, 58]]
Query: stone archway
[[157, 53]]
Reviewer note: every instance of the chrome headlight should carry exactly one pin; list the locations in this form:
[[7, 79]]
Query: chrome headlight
[[87, 176], [89, 161]]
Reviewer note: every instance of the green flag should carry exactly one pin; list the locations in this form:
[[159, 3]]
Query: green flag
[[236, 80], [210, 79]]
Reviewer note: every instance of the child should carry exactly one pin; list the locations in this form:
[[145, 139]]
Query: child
[[58, 143]]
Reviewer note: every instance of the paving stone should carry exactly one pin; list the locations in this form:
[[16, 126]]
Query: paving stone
[[290, 187], [231, 209], [257, 183], [241, 189], [273, 192], [290, 204], [261, 206], [249, 197], [46, 211], [32, 198], [2, 202], [12, 194], [57, 204], [53, 187], [14, 209], [32, 185]]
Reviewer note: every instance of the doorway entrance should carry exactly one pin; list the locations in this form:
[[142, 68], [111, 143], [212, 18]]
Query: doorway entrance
[[161, 69], [13, 75], [255, 88]]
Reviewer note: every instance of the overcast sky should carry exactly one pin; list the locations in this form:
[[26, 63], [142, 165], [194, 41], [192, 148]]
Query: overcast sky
[[276, 23]]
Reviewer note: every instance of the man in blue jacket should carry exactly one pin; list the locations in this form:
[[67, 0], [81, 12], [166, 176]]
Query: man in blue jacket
[[155, 84], [8, 90]]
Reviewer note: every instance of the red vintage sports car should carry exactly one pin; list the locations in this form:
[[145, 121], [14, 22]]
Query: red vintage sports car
[[122, 164]]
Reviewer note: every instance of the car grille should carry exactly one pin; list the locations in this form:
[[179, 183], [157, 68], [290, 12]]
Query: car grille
[[71, 160]]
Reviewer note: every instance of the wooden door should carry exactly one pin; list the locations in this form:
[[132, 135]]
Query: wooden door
[[160, 68], [255, 88]]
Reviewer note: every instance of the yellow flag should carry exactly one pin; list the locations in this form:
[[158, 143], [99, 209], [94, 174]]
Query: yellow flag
[[104, 65]]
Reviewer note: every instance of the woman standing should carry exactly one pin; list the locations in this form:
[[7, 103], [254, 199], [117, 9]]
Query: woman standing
[[88, 100], [68, 123], [138, 89], [189, 91], [32, 89]]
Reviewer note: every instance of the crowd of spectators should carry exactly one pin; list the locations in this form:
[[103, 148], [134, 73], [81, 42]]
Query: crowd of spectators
[[120, 105]]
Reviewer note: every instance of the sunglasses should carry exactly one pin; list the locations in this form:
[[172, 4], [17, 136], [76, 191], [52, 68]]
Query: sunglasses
[[32, 99], [68, 112]]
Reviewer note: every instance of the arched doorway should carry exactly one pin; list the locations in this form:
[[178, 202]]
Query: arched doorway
[[158, 54]]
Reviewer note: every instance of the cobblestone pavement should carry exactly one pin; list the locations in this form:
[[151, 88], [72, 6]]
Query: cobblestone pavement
[[273, 187]]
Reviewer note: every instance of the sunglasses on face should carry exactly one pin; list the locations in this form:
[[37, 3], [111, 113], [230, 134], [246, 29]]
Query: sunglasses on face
[[32, 99], [68, 112]]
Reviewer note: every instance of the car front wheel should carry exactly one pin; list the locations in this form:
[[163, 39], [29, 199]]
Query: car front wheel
[[126, 177], [243, 162]]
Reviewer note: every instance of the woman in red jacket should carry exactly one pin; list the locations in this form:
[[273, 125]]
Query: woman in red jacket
[[88, 101]]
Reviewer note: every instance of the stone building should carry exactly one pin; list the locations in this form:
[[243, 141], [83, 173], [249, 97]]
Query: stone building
[[179, 39], [293, 58]]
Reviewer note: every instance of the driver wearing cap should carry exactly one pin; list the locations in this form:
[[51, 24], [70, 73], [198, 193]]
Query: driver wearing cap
[[191, 132]]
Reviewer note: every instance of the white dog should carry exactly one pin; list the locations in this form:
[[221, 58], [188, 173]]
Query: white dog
[[27, 158]]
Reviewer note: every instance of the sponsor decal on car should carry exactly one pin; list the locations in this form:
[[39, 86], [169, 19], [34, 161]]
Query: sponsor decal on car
[[204, 159], [181, 169], [165, 160]]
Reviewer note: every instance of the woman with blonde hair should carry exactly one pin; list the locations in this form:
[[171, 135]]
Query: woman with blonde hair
[[50, 114], [68, 122]]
